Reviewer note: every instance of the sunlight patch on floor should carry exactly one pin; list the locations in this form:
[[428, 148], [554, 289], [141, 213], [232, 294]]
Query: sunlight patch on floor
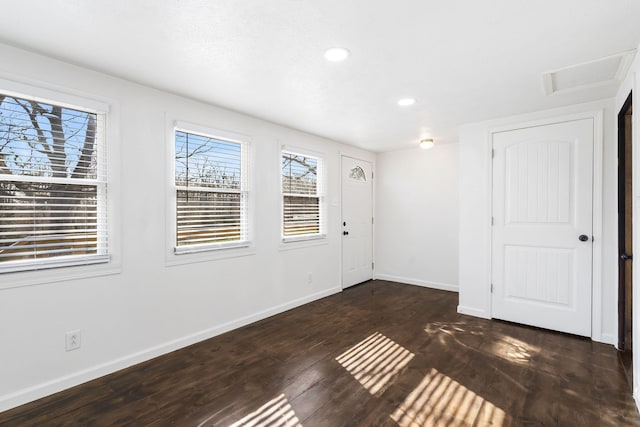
[[440, 400], [375, 361], [506, 347], [513, 350], [275, 413]]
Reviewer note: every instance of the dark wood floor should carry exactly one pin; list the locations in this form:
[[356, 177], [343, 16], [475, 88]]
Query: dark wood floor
[[380, 353]]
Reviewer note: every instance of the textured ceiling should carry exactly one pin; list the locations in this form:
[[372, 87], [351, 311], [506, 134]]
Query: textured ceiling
[[462, 60]]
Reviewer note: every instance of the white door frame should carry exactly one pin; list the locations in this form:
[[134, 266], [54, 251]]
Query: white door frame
[[598, 144], [373, 210]]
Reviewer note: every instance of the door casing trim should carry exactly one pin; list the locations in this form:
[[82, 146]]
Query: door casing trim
[[621, 143]]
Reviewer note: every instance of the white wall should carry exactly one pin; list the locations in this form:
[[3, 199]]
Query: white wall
[[143, 306], [632, 83], [417, 216], [475, 231]]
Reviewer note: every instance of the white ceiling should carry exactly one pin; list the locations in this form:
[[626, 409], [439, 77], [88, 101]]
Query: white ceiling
[[462, 60]]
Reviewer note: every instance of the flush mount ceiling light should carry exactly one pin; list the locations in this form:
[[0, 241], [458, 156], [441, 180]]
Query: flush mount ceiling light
[[426, 143], [336, 54], [405, 102]]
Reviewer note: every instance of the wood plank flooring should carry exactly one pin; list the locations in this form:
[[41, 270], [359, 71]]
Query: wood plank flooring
[[380, 353]]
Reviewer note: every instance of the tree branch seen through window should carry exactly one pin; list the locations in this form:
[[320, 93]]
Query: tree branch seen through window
[[51, 194]]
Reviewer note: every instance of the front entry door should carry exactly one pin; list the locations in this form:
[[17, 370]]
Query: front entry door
[[542, 226], [357, 222]]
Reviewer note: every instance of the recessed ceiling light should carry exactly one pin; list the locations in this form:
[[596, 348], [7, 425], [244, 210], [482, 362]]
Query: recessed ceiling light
[[404, 102], [336, 54], [426, 143]]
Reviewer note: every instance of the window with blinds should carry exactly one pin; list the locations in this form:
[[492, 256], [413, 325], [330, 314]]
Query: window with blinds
[[53, 185], [211, 194], [301, 196]]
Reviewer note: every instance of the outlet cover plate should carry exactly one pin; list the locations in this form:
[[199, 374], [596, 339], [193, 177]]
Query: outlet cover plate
[[72, 340]]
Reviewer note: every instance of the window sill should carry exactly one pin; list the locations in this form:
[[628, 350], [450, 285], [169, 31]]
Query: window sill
[[61, 273], [303, 242], [210, 253], [209, 248], [49, 263]]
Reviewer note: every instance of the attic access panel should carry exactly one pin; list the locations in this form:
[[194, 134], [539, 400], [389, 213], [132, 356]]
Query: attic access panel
[[607, 70]]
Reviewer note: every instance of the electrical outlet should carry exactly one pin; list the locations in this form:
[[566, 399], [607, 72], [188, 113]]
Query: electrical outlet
[[309, 277], [73, 340]]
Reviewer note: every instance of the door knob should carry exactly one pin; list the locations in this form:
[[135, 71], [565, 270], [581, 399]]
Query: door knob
[[583, 237], [625, 257], [345, 233]]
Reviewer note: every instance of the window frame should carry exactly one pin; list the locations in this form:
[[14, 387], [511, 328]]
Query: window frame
[[320, 194], [27, 272], [207, 251]]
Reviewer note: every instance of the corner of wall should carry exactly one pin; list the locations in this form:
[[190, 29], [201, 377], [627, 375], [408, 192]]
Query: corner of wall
[[418, 282]]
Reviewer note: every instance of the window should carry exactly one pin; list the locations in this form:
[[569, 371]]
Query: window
[[302, 198], [211, 194], [357, 174], [53, 185]]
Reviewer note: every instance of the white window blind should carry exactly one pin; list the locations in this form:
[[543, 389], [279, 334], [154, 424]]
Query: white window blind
[[53, 185], [301, 196], [211, 192]]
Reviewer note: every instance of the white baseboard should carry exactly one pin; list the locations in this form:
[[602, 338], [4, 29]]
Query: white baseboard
[[418, 282], [38, 391], [636, 397], [607, 339], [476, 312]]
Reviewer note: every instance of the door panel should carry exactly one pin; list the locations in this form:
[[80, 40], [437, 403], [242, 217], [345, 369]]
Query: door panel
[[357, 213], [542, 203], [539, 182], [539, 274]]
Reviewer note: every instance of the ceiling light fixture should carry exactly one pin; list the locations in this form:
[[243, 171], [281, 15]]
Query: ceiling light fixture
[[426, 143], [336, 54], [405, 102]]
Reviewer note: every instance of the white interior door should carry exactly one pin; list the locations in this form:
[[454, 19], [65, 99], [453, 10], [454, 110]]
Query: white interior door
[[542, 232], [357, 221]]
